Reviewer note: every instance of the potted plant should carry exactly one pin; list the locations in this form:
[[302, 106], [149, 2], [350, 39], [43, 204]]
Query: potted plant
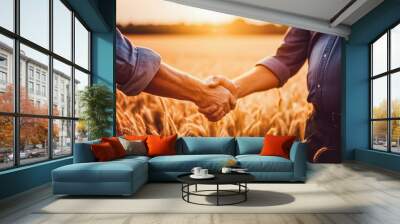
[[97, 103]]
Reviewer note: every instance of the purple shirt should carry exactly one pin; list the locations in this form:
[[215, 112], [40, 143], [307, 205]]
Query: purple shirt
[[136, 66], [323, 52]]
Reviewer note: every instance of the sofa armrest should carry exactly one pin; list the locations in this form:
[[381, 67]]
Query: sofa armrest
[[298, 155], [83, 152]]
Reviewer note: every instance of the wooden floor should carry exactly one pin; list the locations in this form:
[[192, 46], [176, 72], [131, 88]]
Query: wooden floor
[[377, 188]]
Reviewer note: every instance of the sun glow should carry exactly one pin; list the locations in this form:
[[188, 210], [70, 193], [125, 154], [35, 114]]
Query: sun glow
[[159, 12]]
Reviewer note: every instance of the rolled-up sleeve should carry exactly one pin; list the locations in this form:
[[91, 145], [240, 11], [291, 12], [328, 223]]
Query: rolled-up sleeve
[[290, 56], [136, 66]]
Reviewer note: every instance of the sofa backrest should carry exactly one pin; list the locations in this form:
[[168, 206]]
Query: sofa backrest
[[190, 146], [83, 153], [206, 145], [249, 145]]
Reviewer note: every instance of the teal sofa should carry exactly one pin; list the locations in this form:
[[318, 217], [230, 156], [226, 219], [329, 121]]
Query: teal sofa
[[125, 176]]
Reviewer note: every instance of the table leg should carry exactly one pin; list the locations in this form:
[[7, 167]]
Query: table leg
[[182, 189], [195, 188], [217, 194], [188, 190], [245, 193]]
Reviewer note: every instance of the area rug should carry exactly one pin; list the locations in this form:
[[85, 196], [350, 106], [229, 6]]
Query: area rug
[[166, 198]]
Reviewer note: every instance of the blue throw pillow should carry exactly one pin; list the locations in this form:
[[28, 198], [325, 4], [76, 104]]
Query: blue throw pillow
[[206, 145], [249, 145]]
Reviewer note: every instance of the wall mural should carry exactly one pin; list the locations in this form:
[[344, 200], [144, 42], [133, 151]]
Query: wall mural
[[175, 64]]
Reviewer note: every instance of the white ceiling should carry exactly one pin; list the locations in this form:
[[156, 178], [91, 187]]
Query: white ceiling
[[321, 9], [327, 16]]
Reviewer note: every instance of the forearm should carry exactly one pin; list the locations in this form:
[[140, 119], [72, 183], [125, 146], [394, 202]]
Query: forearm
[[172, 83], [256, 79]]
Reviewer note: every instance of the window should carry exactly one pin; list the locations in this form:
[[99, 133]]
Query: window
[[62, 29], [38, 89], [30, 72], [3, 61], [62, 74], [38, 74], [33, 147], [44, 91], [35, 21], [3, 78], [41, 124], [62, 137], [81, 45], [6, 73], [3, 72], [81, 81], [385, 94], [7, 14], [6, 142], [30, 88]]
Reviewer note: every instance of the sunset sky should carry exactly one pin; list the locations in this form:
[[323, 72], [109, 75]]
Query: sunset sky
[[165, 12]]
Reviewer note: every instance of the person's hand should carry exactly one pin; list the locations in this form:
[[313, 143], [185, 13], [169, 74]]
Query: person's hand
[[215, 102], [215, 105], [215, 81]]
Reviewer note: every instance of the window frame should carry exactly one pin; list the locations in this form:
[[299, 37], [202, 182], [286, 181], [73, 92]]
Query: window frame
[[388, 74], [16, 115]]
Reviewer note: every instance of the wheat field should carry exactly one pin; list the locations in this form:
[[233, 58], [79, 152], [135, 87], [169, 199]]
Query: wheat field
[[282, 111]]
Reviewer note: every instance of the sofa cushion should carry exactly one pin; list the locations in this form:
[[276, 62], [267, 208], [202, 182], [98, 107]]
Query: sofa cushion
[[133, 158], [112, 171], [103, 152], [206, 145], [249, 145], [185, 163], [277, 145], [116, 145], [134, 147], [257, 163], [161, 145]]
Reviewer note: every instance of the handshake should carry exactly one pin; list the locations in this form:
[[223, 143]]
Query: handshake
[[218, 97]]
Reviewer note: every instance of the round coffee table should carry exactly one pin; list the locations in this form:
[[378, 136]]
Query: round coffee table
[[238, 179]]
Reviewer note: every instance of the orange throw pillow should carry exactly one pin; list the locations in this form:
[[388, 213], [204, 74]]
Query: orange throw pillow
[[161, 145], [103, 152], [116, 145], [277, 146]]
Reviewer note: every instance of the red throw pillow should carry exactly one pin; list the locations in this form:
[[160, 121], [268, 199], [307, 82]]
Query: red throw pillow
[[135, 137], [277, 146], [116, 145], [103, 152], [161, 145]]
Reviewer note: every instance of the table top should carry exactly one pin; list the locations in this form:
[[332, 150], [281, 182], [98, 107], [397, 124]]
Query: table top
[[220, 178]]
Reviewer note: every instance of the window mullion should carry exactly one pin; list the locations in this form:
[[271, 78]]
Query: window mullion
[[371, 140], [73, 83], [50, 81], [16, 84], [389, 104]]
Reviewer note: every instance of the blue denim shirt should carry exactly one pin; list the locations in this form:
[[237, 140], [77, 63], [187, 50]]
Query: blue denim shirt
[[323, 52], [136, 66]]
